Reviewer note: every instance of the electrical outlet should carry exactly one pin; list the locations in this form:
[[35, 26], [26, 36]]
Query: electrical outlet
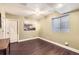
[[66, 43]]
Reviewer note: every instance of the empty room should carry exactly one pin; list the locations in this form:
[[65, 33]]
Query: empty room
[[39, 28]]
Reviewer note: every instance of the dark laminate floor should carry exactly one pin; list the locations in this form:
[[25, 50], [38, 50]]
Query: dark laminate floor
[[38, 47]]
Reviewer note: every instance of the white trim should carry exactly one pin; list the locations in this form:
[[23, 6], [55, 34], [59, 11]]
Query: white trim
[[18, 30], [27, 39], [66, 47], [13, 41]]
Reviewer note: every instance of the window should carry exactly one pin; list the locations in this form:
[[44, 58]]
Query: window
[[60, 24], [56, 25]]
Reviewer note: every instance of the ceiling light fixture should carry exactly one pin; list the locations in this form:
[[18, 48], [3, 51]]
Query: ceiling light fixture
[[38, 12], [59, 5]]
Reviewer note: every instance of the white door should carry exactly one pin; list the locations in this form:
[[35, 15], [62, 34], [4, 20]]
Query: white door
[[11, 30]]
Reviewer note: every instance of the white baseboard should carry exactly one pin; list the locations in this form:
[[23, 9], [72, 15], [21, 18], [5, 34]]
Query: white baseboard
[[63, 46], [13, 41], [27, 39]]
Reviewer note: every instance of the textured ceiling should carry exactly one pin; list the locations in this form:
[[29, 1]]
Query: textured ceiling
[[37, 9]]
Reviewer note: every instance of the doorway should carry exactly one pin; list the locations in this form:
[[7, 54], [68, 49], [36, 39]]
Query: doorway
[[11, 30]]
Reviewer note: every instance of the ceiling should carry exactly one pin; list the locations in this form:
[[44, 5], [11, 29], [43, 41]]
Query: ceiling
[[38, 9]]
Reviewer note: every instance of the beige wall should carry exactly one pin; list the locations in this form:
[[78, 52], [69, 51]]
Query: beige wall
[[23, 34], [46, 29], [72, 37]]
